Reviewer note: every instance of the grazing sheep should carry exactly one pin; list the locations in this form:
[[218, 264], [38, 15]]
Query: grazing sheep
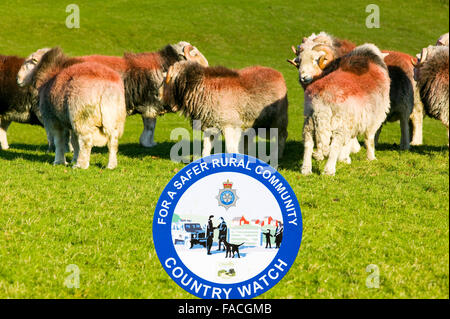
[[228, 100], [443, 40], [142, 74], [16, 104], [405, 100], [350, 97], [431, 73], [84, 97]]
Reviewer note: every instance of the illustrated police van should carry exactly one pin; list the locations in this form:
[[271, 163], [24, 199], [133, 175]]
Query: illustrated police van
[[188, 233]]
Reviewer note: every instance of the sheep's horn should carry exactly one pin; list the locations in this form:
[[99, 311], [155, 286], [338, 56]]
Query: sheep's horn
[[414, 62], [423, 54], [169, 75], [327, 57], [293, 62]]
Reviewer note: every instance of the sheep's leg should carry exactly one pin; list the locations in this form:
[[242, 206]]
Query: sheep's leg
[[336, 146], [404, 127], [113, 146], [232, 137], [417, 120], [208, 138], [51, 142], [3, 137], [60, 146], [76, 147], [416, 130], [370, 146], [351, 147], [147, 137], [68, 137], [282, 142], [447, 135], [308, 140], [84, 156], [344, 155], [377, 135]]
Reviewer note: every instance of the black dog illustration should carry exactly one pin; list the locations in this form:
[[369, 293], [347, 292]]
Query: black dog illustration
[[231, 248]]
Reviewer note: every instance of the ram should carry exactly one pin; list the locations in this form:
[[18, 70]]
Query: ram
[[142, 74], [431, 73], [86, 98], [228, 100], [406, 105], [349, 98]]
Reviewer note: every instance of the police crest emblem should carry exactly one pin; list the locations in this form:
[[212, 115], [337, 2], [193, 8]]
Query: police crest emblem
[[227, 195]]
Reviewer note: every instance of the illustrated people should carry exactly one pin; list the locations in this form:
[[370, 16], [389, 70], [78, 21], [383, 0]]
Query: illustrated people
[[268, 235], [223, 229], [209, 235], [278, 235]]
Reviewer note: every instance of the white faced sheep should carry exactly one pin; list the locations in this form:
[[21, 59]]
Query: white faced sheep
[[349, 98], [87, 98], [406, 105], [431, 73], [142, 74], [229, 100]]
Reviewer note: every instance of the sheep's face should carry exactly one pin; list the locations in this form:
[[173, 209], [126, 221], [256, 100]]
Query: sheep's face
[[28, 69], [166, 91], [311, 62], [190, 53]]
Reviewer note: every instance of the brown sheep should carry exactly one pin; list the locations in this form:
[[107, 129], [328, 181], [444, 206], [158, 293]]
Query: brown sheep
[[431, 73], [84, 97], [229, 100]]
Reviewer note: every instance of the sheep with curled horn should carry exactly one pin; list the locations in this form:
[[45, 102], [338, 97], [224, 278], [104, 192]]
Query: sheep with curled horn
[[349, 98], [406, 105], [228, 100], [86, 98], [142, 74], [432, 75]]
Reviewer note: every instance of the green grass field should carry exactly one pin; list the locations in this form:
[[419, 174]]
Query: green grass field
[[393, 212]]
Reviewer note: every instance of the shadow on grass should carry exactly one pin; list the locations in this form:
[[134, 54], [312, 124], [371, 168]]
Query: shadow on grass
[[12, 154], [419, 149], [291, 159]]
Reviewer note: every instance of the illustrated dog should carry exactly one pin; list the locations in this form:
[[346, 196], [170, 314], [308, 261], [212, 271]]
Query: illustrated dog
[[232, 248]]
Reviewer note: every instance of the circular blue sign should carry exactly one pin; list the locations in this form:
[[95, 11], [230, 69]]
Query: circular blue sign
[[260, 236]]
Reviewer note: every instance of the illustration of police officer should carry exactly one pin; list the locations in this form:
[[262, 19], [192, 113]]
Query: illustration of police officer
[[278, 235], [209, 234], [223, 230], [268, 235]]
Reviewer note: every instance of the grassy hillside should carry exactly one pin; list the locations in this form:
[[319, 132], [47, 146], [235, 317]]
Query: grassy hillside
[[393, 213]]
